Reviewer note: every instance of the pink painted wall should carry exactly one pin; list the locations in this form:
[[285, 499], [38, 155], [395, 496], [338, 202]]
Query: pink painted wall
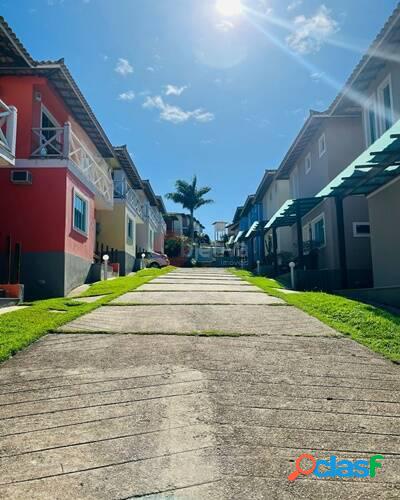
[[75, 242]]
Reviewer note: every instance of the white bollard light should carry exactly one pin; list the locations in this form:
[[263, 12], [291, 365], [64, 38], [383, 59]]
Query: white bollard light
[[143, 264], [106, 258], [292, 265], [258, 268]]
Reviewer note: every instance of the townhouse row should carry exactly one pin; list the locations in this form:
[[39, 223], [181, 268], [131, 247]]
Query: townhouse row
[[178, 225], [333, 203], [67, 195]]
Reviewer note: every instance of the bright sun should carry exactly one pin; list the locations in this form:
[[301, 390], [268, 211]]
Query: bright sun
[[229, 7]]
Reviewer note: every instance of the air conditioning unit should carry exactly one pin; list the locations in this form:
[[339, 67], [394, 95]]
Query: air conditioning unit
[[21, 177]]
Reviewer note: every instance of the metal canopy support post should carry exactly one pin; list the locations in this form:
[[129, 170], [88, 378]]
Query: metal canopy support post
[[300, 244], [275, 248], [341, 241]]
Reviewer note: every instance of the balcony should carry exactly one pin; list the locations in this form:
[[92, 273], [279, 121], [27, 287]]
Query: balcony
[[157, 220], [63, 144], [123, 191], [8, 134]]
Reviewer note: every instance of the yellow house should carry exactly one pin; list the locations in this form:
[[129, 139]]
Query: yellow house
[[136, 223]]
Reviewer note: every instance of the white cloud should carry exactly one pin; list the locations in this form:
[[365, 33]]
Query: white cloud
[[175, 114], [150, 68], [311, 32], [294, 5], [317, 76], [225, 25], [127, 96], [174, 90], [123, 67]]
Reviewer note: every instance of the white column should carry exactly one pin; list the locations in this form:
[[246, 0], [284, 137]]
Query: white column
[[11, 133], [67, 139]]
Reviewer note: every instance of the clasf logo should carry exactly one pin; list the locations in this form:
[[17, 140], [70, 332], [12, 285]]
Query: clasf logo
[[336, 468]]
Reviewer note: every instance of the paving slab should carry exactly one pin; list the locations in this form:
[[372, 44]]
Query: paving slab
[[9, 309], [192, 298], [197, 287], [199, 277], [191, 418], [88, 300], [195, 281], [181, 319]]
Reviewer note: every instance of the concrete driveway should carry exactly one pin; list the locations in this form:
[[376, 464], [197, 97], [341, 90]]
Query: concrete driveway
[[150, 413]]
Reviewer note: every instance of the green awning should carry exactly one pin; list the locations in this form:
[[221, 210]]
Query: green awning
[[252, 230], [287, 214], [374, 168]]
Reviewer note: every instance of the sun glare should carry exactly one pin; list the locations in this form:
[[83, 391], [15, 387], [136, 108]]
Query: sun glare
[[229, 7]]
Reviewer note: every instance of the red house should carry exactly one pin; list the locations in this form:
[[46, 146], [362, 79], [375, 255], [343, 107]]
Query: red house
[[60, 176]]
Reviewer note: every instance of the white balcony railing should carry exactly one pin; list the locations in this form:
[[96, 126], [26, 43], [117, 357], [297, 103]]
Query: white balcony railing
[[123, 191], [63, 143], [8, 133], [157, 220]]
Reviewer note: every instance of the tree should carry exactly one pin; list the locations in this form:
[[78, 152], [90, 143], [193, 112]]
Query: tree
[[190, 197]]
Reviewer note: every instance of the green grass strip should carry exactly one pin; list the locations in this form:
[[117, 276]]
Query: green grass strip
[[369, 325], [20, 328]]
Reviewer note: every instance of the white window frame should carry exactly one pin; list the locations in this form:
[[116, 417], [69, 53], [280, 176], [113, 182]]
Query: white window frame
[[381, 105], [370, 104], [322, 141], [356, 234], [79, 194], [307, 163], [130, 238]]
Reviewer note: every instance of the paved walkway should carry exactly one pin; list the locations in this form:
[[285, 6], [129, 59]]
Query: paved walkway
[[156, 416]]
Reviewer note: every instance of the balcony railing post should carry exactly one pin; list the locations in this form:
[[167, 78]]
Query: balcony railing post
[[11, 133], [67, 138]]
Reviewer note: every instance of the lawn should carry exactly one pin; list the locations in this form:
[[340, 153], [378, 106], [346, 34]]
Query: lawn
[[371, 326], [21, 328]]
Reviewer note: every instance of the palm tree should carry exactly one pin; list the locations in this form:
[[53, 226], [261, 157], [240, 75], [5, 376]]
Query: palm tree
[[190, 197]]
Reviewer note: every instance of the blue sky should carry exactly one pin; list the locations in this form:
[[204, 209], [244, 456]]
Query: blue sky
[[191, 91]]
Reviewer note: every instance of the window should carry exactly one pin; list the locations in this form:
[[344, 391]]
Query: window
[[361, 229], [370, 119], [129, 230], [319, 232], [308, 163], [315, 232], [80, 213], [385, 105], [322, 145]]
